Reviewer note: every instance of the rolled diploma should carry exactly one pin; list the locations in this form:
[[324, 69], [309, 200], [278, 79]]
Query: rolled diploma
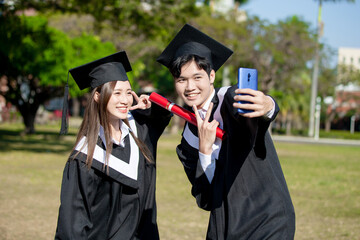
[[180, 111]]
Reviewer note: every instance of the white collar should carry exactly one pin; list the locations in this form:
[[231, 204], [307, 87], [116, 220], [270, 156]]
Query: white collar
[[125, 130], [202, 111]]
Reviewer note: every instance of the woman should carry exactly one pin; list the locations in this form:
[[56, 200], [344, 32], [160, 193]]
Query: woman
[[108, 186]]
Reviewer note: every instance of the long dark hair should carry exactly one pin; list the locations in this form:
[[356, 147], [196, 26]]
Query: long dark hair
[[96, 114]]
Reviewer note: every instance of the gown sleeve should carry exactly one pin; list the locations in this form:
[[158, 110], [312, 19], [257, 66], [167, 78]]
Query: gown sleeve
[[261, 139], [156, 117], [153, 122], [201, 187], [257, 127], [74, 213], [228, 104]]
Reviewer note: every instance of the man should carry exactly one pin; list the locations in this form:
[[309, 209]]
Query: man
[[238, 179]]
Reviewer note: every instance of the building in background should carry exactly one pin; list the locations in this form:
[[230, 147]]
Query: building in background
[[349, 57], [344, 111]]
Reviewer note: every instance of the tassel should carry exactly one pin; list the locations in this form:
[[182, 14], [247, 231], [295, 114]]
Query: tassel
[[64, 119]]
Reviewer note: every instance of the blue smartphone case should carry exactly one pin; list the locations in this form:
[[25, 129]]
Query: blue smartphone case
[[247, 78]]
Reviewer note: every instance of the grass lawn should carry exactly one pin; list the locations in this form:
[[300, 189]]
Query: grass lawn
[[324, 182]]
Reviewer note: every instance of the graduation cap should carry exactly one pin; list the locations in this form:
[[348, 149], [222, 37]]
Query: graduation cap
[[190, 40], [110, 68]]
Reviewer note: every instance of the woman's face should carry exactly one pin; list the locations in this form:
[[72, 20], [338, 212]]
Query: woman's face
[[120, 101]]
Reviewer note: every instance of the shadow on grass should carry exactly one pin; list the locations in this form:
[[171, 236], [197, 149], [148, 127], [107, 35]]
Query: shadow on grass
[[43, 141]]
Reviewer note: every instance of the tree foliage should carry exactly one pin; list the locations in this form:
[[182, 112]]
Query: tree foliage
[[138, 17], [36, 58]]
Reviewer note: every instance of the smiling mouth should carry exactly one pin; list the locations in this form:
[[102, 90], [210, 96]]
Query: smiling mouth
[[191, 95], [122, 109]]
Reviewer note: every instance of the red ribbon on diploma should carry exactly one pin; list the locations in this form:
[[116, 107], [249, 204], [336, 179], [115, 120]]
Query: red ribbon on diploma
[[181, 112]]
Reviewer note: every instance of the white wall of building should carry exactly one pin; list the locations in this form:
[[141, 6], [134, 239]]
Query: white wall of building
[[349, 56]]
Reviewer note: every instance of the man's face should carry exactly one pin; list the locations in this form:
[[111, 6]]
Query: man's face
[[194, 85]]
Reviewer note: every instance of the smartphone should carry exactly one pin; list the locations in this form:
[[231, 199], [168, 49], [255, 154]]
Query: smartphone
[[247, 78]]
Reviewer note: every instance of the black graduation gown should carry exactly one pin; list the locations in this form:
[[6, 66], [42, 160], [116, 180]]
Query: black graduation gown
[[248, 196], [96, 205]]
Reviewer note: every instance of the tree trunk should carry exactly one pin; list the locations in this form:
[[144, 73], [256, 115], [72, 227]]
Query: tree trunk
[[27, 95], [175, 125], [28, 113], [288, 125], [328, 121], [75, 107]]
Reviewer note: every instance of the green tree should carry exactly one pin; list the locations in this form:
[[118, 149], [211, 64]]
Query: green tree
[[288, 46], [151, 18], [142, 28], [36, 58]]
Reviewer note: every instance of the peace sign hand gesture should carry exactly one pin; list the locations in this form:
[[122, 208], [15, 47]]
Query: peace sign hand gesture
[[143, 101], [206, 131]]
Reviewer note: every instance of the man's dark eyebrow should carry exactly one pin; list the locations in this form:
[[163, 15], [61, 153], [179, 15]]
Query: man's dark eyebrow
[[198, 74]]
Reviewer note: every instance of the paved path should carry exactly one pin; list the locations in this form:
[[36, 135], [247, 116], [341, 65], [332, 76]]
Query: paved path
[[329, 141]]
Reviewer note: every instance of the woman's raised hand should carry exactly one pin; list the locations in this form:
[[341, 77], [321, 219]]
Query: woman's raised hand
[[142, 102]]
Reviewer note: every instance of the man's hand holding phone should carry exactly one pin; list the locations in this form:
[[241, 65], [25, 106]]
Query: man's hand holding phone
[[247, 79], [258, 104], [249, 101]]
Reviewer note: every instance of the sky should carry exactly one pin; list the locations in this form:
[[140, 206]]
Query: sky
[[341, 19]]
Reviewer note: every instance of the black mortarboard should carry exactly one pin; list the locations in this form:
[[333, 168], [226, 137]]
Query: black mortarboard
[[103, 70], [192, 41], [96, 73]]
